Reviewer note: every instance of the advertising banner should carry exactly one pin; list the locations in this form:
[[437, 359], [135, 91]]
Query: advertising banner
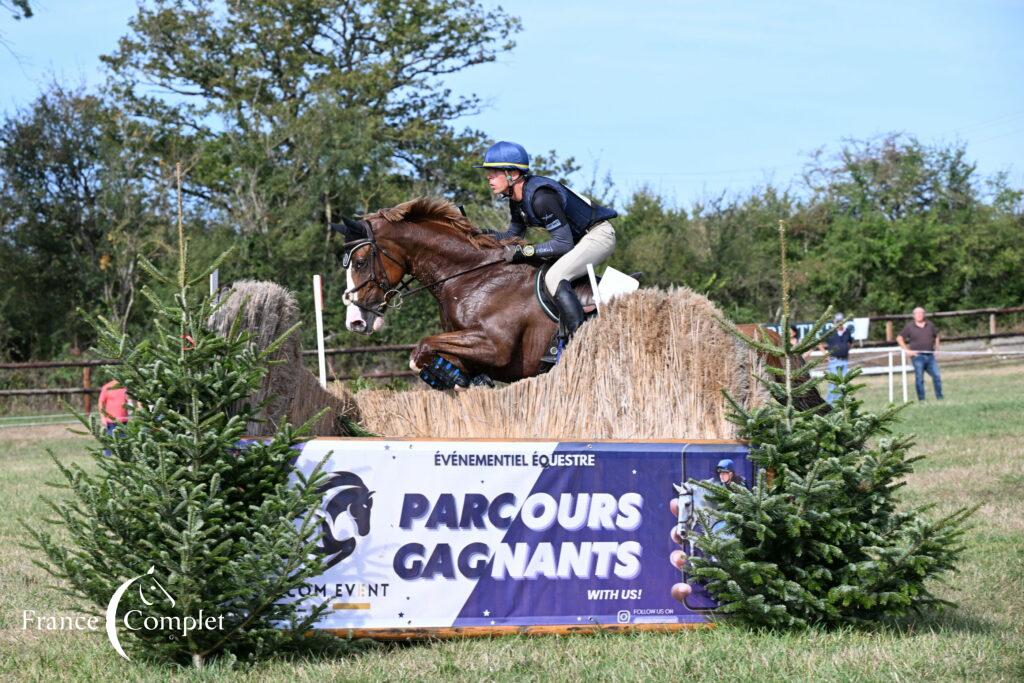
[[485, 534]]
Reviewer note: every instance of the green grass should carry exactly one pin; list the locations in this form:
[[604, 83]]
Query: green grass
[[974, 441]]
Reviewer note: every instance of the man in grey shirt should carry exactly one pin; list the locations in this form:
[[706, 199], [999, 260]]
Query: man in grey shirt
[[920, 339]]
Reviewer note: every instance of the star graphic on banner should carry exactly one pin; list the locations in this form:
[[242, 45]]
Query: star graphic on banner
[[401, 614], [487, 612], [387, 447], [579, 618], [492, 622], [634, 471]]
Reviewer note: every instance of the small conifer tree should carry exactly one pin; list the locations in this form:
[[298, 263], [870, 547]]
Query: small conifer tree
[[216, 525], [821, 537]]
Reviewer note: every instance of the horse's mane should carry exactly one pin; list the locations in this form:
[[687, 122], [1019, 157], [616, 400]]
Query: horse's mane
[[439, 214]]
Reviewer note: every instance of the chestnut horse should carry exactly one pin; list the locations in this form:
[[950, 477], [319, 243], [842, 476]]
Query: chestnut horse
[[492, 322]]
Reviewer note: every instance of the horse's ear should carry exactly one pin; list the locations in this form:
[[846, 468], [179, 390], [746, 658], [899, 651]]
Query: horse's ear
[[351, 229]]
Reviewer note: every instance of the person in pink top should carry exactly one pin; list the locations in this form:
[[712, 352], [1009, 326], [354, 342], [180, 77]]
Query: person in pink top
[[113, 405]]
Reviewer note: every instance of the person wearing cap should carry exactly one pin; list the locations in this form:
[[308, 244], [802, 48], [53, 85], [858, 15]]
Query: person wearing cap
[[838, 345], [580, 231]]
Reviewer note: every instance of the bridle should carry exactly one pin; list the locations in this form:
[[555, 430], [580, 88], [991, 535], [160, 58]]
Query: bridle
[[393, 295]]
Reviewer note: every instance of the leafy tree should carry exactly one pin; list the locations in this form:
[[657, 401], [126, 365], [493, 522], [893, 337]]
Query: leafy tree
[[292, 112], [76, 218]]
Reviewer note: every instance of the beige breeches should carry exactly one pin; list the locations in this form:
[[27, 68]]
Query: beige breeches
[[595, 247]]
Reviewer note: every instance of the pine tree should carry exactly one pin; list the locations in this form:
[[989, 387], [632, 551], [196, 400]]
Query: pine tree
[[223, 523], [821, 538]]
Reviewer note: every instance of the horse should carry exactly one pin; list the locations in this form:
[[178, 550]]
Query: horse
[[347, 500], [493, 325]]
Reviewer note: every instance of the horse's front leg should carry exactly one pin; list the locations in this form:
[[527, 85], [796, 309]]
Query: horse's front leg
[[464, 349]]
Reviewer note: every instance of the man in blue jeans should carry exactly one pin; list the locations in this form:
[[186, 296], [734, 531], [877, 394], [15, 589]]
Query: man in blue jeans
[[920, 339], [838, 344]]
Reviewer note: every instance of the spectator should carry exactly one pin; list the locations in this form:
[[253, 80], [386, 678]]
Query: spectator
[[838, 344], [113, 405], [920, 339]]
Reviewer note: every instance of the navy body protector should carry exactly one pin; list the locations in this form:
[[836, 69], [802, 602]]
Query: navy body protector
[[580, 214]]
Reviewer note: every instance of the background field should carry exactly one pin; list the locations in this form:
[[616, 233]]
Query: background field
[[974, 441]]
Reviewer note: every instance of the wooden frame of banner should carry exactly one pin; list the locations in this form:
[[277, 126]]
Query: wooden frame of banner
[[452, 632]]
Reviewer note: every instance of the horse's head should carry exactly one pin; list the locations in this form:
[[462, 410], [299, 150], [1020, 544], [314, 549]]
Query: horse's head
[[360, 510], [374, 269]]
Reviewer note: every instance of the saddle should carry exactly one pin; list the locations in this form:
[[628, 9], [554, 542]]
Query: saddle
[[580, 285]]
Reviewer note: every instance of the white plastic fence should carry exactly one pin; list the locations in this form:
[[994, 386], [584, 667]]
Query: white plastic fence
[[890, 368]]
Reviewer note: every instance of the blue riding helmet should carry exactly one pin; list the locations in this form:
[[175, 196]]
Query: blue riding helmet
[[726, 465], [507, 155]]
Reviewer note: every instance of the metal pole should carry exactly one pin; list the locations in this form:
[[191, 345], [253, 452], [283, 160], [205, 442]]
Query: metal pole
[[891, 387], [318, 304], [903, 369]]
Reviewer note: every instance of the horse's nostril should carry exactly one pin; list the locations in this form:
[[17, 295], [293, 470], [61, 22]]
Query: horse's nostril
[[357, 326]]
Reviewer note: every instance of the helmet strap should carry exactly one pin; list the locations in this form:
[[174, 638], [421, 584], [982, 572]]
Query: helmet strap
[[511, 191]]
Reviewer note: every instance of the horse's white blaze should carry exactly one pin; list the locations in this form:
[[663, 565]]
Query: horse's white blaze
[[355, 320]]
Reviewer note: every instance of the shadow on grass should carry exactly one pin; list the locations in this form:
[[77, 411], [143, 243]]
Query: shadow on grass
[[950, 620]]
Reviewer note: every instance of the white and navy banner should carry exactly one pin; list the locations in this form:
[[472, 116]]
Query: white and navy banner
[[434, 534]]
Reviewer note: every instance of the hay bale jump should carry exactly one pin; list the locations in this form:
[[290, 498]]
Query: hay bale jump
[[652, 366], [289, 392]]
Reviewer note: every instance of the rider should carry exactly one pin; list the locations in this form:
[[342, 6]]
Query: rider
[[725, 471], [580, 231]]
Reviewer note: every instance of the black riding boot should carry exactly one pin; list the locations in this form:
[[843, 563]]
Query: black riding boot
[[570, 317], [570, 310]]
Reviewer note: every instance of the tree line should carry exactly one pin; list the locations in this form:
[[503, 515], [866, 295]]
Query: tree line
[[287, 114]]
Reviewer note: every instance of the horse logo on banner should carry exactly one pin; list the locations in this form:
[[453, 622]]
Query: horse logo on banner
[[346, 514]]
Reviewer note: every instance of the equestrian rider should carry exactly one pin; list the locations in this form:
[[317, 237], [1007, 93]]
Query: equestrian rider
[[580, 231]]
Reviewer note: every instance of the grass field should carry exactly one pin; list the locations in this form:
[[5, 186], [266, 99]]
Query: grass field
[[974, 441]]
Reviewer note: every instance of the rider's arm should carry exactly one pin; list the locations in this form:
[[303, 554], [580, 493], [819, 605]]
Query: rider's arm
[[547, 206], [516, 228]]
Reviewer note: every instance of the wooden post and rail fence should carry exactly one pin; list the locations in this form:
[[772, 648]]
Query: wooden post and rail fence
[[87, 390]]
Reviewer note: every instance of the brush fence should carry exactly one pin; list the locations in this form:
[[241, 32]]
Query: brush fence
[[428, 538]]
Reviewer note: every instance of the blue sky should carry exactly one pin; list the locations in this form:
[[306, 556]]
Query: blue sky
[[688, 98]]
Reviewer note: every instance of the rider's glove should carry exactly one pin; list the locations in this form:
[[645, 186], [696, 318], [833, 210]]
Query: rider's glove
[[515, 253]]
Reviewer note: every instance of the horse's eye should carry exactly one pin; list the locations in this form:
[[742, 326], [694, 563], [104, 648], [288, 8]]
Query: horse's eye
[[360, 263]]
